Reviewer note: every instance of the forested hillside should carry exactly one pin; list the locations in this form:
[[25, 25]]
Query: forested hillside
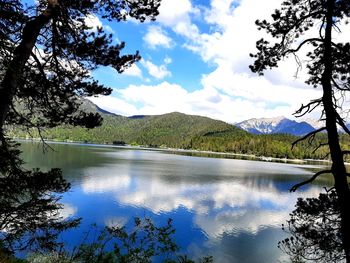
[[177, 130]]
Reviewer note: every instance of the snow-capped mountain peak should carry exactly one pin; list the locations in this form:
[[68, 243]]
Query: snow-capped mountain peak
[[275, 125]]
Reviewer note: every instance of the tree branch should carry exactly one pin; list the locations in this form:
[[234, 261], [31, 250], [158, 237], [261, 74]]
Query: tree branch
[[307, 108], [296, 186], [313, 133], [338, 87], [301, 45], [340, 121], [319, 146]]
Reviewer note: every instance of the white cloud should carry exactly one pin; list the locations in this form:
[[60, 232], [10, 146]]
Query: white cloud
[[230, 92], [93, 22], [231, 39], [159, 72], [177, 15], [171, 12], [157, 37], [167, 97], [158, 99], [115, 105], [209, 101], [133, 71]]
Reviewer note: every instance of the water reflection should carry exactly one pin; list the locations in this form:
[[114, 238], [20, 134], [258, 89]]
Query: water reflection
[[226, 206], [229, 208]]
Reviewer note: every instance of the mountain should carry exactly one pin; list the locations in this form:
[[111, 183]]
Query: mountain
[[315, 123], [168, 130], [276, 125], [89, 106], [178, 130]]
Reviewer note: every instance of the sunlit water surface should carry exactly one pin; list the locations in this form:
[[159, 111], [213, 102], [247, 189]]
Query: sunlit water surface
[[230, 209]]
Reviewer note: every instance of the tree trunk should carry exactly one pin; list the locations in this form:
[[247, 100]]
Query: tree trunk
[[338, 167], [21, 54]]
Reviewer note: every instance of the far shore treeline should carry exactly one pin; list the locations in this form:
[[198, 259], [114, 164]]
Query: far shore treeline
[[177, 130]]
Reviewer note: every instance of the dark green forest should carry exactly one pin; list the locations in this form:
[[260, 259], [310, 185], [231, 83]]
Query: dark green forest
[[177, 130]]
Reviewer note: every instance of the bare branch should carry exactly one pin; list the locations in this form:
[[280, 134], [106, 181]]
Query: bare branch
[[319, 146], [304, 109], [310, 134], [295, 187], [326, 155]]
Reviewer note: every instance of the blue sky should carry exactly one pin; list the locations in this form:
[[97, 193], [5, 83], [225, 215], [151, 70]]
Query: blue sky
[[195, 60]]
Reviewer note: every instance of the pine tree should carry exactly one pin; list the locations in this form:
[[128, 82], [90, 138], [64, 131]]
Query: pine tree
[[47, 52], [328, 68]]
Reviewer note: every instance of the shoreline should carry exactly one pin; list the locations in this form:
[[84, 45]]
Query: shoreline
[[182, 151]]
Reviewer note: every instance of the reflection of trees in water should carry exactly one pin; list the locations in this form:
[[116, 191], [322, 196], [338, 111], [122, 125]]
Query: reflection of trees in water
[[31, 220], [30, 216], [314, 227]]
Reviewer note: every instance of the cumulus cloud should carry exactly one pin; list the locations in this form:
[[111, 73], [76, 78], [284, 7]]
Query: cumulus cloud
[[228, 45], [164, 97], [229, 92], [158, 72], [177, 16], [173, 12], [157, 37], [223, 103]]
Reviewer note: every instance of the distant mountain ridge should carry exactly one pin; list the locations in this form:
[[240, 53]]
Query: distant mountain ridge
[[276, 125], [182, 131]]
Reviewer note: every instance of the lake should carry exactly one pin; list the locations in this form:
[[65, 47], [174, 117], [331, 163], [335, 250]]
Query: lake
[[230, 209]]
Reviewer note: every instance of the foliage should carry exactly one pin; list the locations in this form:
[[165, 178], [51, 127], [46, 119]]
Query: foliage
[[314, 227], [47, 52], [309, 26]]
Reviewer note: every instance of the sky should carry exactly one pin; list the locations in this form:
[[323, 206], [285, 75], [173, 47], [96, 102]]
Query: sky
[[195, 60]]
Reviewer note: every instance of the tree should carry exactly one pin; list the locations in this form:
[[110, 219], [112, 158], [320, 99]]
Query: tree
[[327, 66], [47, 51], [314, 229]]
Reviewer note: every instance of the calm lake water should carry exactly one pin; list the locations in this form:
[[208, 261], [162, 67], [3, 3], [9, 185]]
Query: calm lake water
[[230, 209]]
